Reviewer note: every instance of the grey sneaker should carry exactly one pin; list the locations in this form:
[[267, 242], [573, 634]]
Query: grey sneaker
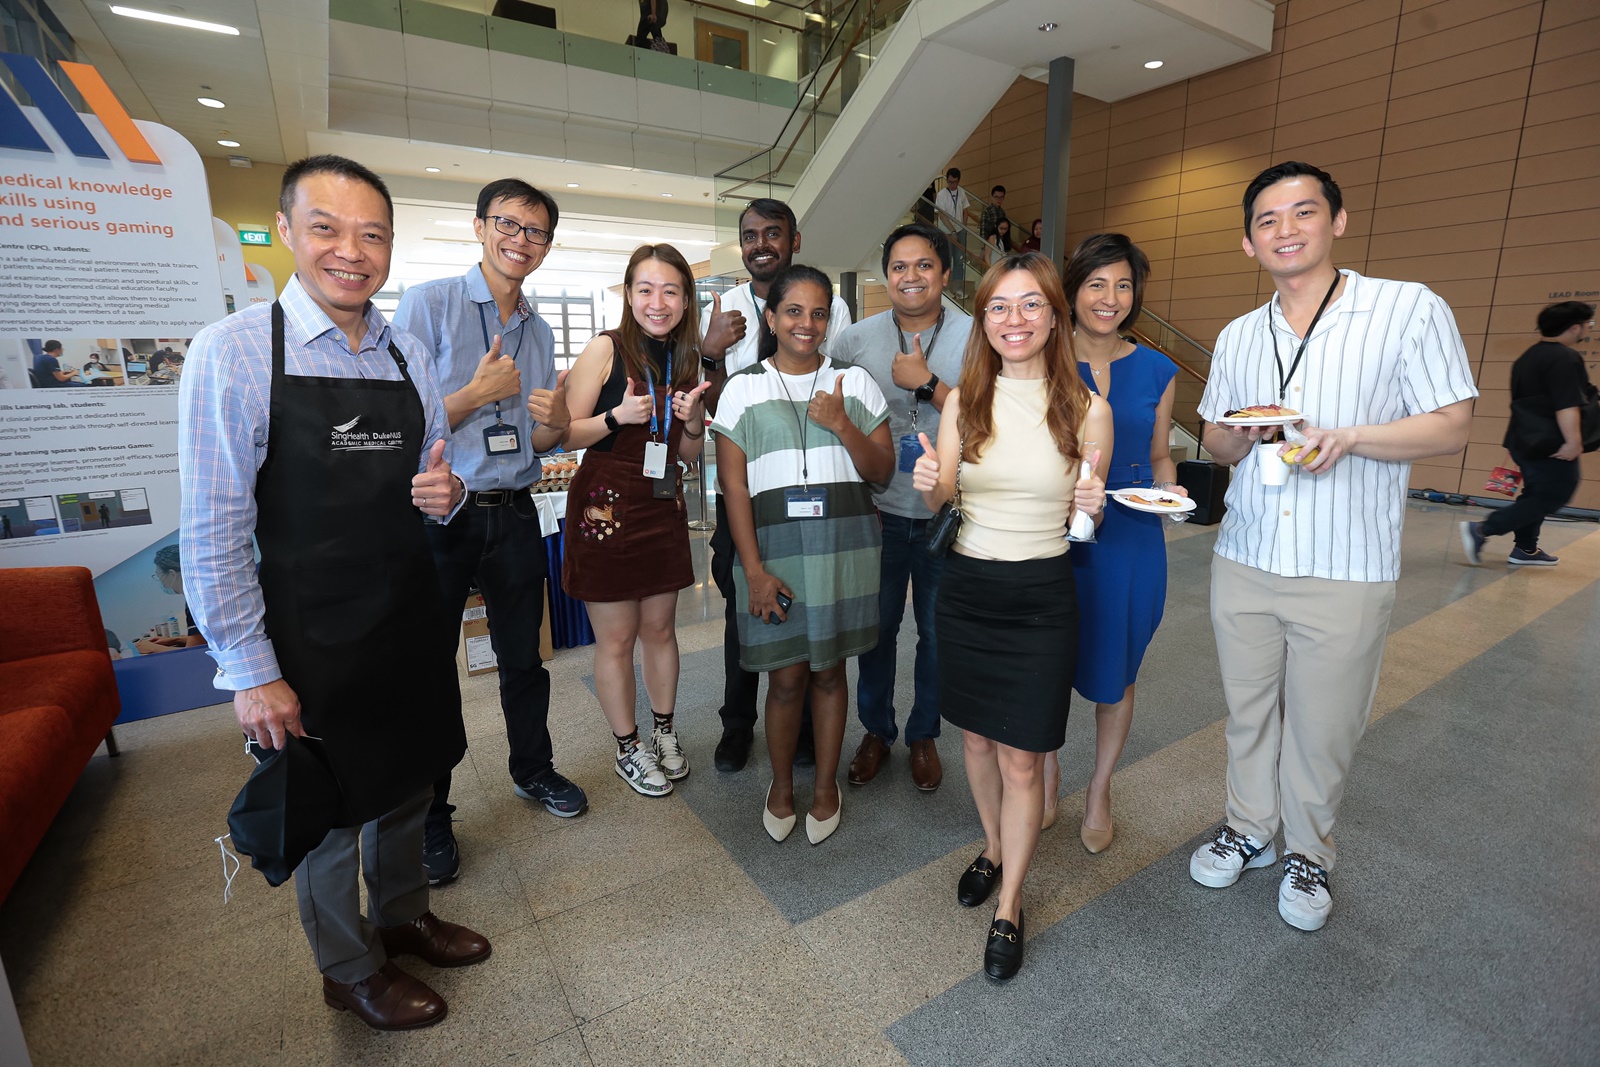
[[1537, 558], [1472, 540], [669, 754]]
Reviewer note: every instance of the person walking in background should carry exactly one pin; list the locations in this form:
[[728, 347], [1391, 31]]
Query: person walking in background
[[635, 397], [913, 352], [652, 24], [1549, 385], [1007, 614], [993, 212], [1303, 581], [1122, 576], [1035, 239], [956, 209], [803, 438], [487, 347], [732, 327], [1000, 241]]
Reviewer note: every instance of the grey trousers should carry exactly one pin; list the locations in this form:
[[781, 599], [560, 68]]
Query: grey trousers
[[387, 852]]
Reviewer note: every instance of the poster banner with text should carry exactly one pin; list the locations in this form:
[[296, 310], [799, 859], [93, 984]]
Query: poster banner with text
[[107, 268]]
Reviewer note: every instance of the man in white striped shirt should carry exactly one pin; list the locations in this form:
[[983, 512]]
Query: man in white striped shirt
[[1303, 582]]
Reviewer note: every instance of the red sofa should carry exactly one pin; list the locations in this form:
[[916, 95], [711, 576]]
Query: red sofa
[[58, 699]]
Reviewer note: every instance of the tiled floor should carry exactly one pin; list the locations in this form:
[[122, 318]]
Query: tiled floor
[[674, 932]]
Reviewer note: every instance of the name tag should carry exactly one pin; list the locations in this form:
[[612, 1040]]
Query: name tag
[[501, 440], [910, 452], [655, 459], [805, 503]]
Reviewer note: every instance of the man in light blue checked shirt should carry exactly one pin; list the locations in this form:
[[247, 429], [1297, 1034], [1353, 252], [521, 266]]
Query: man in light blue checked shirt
[[319, 430], [488, 346]]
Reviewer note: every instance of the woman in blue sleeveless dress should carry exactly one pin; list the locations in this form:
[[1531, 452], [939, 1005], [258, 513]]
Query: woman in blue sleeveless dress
[[1122, 576]]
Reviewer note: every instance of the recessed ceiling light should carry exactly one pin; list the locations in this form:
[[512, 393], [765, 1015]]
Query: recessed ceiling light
[[431, 170], [225, 143], [572, 185], [1154, 64], [210, 101], [1046, 27], [666, 194], [173, 20]]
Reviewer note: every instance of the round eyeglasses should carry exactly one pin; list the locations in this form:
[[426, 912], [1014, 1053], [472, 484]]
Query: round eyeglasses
[[511, 227], [1000, 311]]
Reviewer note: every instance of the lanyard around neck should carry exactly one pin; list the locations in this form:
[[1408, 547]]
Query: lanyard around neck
[[800, 422], [650, 383], [483, 324], [926, 352], [1283, 378]]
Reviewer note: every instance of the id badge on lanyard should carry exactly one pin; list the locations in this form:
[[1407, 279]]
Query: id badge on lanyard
[[501, 439], [655, 451], [805, 503]]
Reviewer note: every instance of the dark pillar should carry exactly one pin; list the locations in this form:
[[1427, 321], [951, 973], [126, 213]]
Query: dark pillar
[[847, 292], [1057, 159]]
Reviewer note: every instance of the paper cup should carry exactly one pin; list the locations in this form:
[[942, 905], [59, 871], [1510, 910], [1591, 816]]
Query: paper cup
[[1274, 471]]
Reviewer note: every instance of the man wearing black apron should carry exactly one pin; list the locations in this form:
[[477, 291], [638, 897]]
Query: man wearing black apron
[[310, 425]]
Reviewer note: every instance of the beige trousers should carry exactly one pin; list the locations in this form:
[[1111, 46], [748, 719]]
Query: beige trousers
[[1300, 660]]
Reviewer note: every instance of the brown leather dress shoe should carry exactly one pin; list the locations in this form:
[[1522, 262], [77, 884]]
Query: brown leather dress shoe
[[869, 757], [436, 941], [388, 999], [926, 770]]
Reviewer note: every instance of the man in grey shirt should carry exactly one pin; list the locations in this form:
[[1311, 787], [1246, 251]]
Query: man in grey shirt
[[913, 351]]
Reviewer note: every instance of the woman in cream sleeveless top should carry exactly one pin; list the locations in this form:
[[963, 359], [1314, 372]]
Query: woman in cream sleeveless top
[[1007, 613]]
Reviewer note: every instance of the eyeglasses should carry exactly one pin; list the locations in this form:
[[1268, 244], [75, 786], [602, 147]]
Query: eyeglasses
[[511, 227], [1031, 310]]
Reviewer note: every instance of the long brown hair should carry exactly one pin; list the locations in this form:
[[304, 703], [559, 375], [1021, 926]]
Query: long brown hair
[[1067, 398], [685, 337]]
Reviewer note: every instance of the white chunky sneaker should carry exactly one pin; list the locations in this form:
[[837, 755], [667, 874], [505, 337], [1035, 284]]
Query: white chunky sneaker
[[669, 754], [1219, 862], [638, 767], [1303, 899]]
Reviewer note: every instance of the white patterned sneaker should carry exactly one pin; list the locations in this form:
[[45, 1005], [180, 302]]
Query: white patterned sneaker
[[1303, 899], [639, 769], [1220, 861], [669, 754]]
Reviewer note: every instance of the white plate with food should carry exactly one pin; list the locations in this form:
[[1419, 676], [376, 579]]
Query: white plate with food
[[1261, 415], [1154, 501]]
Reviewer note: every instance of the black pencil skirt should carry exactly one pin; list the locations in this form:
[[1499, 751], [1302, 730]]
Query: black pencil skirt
[[1008, 641]]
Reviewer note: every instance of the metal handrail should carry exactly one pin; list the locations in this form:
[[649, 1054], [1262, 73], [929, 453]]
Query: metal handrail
[[1143, 338]]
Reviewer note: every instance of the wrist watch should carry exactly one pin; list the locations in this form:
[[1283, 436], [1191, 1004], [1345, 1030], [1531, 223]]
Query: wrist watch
[[611, 421], [710, 364], [924, 392]]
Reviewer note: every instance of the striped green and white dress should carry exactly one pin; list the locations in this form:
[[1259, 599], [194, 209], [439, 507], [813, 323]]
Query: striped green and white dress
[[830, 564]]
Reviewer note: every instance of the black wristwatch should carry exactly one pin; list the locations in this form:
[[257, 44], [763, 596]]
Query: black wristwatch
[[611, 422], [710, 364], [924, 392]]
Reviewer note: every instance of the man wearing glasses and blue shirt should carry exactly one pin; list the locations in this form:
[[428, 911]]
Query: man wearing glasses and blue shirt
[[495, 361]]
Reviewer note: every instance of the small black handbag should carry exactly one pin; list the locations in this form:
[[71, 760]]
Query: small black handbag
[[946, 524]]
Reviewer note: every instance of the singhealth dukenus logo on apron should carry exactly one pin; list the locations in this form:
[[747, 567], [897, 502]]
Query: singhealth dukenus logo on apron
[[346, 438]]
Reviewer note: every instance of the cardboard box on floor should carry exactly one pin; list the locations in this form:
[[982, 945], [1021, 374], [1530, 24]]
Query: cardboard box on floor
[[475, 653]]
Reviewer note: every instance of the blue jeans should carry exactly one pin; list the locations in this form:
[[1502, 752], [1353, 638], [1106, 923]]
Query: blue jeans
[[904, 559]]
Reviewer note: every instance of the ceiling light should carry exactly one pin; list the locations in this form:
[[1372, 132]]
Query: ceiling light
[[173, 20], [572, 185], [225, 143], [210, 101], [1046, 27], [666, 194], [1154, 64], [431, 170]]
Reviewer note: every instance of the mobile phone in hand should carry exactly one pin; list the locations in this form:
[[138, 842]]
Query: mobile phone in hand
[[784, 602]]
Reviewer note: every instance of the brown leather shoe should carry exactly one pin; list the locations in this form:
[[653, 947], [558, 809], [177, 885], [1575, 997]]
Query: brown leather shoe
[[926, 770], [436, 941], [869, 757], [388, 999]]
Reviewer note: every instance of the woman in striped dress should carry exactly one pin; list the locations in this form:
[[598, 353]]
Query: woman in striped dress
[[799, 439]]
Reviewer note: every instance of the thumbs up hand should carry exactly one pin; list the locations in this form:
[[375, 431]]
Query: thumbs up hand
[[636, 407], [497, 377], [548, 407], [925, 475], [910, 369], [689, 407], [827, 409], [437, 490], [724, 330]]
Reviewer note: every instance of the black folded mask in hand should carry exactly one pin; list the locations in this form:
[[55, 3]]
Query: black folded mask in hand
[[286, 808]]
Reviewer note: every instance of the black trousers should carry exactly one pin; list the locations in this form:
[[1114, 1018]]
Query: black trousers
[[500, 551], [739, 687], [1547, 486], [646, 27]]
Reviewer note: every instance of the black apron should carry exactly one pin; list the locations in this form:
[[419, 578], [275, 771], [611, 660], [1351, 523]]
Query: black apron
[[352, 597]]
